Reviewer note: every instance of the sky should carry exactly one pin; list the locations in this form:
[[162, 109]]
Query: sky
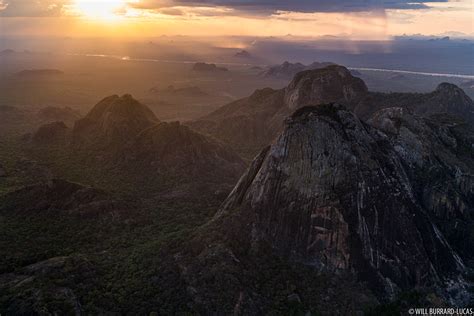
[[359, 19]]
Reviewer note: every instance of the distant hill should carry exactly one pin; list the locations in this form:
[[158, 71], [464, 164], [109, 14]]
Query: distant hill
[[172, 148], [52, 113], [191, 91], [7, 52], [243, 54], [208, 68], [124, 136], [112, 122], [39, 73], [288, 70], [55, 132]]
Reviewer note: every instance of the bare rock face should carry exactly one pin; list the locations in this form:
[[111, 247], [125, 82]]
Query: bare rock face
[[113, 121], [438, 155], [333, 193], [330, 84]]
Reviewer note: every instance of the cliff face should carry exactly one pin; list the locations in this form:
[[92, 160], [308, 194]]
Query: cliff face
[[438, 156], [334, 193]]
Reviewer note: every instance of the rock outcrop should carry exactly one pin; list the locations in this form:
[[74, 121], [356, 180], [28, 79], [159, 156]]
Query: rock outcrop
[[446, 98], [438, 155], [288, 70], [174, 148], [331, 84], [250, 123], [51, 133], [112, 122], [339, 195]]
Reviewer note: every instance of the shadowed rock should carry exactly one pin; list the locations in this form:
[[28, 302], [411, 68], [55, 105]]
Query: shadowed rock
[[112, 122], [55, 132], [330, 84], [251, 123], [173, 148], [335, 194]]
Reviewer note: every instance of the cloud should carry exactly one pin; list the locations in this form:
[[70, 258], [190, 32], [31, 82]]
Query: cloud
[[32, 8], [268, 7], [42, 8]]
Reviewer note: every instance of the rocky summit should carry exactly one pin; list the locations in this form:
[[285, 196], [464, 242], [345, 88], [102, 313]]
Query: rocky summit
[[250, 123], [339, 195], [288, 70], [113, 121], [330, 84]]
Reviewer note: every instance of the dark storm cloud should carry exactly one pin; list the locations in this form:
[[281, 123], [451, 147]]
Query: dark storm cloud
[[308, 6], [32, 8]]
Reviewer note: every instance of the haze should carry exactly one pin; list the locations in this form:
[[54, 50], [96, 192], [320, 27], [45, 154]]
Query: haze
[[212, 157]]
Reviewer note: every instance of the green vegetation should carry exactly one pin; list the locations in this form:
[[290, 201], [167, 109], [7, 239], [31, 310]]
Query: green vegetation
[[130, 260]]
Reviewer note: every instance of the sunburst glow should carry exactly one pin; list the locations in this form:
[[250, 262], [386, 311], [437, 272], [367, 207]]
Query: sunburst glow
[[100, 9]]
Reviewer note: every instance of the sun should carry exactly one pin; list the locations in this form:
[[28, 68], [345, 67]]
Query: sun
[[99, 9]]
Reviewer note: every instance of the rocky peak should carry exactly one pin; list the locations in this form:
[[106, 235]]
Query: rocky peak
[[331, 192], [113, 120], [330, 84], [125, 107], [447, 87], [448, 98]]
